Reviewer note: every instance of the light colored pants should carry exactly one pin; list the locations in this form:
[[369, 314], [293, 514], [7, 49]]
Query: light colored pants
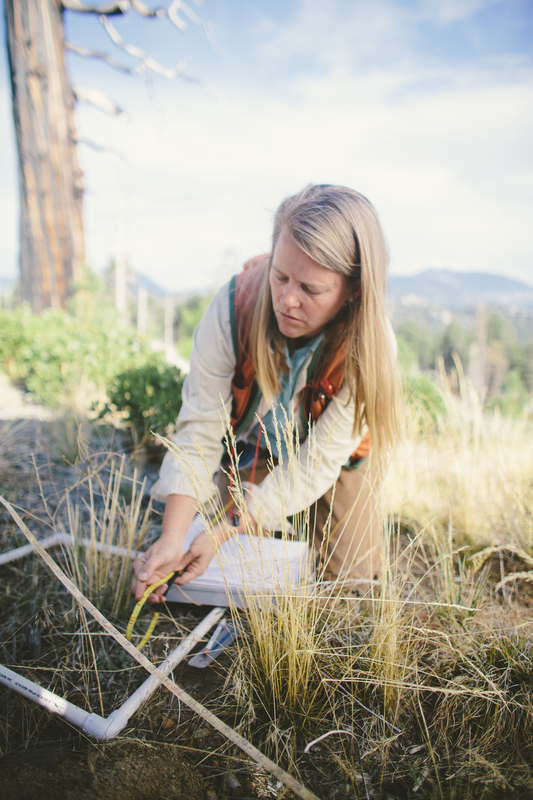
[[347, 527]]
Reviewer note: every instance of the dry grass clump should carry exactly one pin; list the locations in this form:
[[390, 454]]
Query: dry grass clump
[[427, 689], [101, 554], [410, 702]]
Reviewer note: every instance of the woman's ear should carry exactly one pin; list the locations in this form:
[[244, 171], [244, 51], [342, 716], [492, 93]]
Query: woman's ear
[[353, 293]]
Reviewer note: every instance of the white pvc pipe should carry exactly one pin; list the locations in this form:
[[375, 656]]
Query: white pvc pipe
[[99, 727], [65, 538], [40, 695], [118, 719], [19, 552]]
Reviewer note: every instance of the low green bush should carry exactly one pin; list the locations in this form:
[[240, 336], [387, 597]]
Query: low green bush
[[514, 398], [421, 391], [146, 398], [55, 355]]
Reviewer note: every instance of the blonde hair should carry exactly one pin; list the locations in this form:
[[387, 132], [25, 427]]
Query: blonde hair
[[339, 229]]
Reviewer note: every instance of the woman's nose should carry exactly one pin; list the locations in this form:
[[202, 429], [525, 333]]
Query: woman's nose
[[290, 298]]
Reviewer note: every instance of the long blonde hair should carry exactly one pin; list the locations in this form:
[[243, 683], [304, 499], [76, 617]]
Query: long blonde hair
[[339, 229]]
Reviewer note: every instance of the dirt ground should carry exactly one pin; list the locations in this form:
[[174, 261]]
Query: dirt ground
[[127, 770]]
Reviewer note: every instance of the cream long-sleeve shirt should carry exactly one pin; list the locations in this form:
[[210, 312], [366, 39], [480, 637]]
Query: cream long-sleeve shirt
[[188, 468]]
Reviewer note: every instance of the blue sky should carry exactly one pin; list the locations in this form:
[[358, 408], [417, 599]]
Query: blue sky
[[425, 106]]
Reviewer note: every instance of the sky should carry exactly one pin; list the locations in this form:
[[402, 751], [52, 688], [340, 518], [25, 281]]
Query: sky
[[424, 106]]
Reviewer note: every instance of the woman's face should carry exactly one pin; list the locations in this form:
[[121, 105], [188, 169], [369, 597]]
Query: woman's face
[[305, 295]]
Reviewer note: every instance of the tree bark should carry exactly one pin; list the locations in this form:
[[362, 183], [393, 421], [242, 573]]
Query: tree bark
[[51, 229]]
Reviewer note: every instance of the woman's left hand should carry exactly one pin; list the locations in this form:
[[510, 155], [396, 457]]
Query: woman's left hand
[[197, 558]]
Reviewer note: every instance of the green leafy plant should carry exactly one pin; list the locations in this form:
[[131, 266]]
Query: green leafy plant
[[55, 355], [422, 393], [146, 398]]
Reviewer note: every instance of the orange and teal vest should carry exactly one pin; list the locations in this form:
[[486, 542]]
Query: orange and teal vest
[[325, 376]]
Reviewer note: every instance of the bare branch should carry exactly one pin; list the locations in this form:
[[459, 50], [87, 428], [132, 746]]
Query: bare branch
[[172, 14], [140, 8], [82, 51], [179, 5], [122, 6], [111, 9], [116, 38], [119, 7], [102, 148], [187, 10], [148, 62], [98, 99]]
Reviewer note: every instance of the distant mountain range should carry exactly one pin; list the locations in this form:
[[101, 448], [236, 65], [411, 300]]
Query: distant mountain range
[[458, 290], [441, 288], [143, 281], [434, 287]]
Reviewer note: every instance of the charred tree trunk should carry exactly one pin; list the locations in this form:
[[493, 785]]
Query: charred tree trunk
[[51, 229]]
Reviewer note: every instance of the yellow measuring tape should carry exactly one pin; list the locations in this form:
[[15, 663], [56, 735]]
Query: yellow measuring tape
[[137, 610], [148, 592]]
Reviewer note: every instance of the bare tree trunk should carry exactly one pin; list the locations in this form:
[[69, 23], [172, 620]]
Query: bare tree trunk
[[51, 242]]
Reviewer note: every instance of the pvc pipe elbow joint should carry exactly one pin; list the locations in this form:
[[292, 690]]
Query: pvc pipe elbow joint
[[105, 729]]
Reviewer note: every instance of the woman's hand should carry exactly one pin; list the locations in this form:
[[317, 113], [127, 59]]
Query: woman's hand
[[196, 560], [161, 558], [166, 556]]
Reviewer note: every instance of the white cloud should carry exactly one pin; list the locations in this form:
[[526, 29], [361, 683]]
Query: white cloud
[[362, 33], [448, 11]]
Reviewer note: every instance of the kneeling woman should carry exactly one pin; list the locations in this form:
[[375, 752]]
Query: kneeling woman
[[301, 334]]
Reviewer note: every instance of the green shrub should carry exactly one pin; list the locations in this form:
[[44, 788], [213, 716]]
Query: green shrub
[[55, 355], [514, 398], [407, 356], [421, 391], [146, 398]]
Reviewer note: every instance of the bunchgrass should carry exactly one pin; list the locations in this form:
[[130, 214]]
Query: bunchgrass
[[101, 553]]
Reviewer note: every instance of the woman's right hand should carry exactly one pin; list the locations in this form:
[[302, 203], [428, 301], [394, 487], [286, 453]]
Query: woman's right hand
[[165, 555], [161, 558]]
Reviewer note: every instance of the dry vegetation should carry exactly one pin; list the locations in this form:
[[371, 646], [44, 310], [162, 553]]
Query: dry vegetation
[[423, 690]]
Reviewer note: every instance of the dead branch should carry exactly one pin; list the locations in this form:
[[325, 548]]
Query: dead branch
[[122, 6], [95, 97], [111, 9], [82, 51], [147, 62]]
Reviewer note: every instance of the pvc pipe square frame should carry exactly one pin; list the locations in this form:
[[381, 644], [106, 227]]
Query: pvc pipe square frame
[[246, 569]]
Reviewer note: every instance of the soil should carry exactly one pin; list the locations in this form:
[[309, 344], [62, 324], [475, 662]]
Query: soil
[[131, 770]]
